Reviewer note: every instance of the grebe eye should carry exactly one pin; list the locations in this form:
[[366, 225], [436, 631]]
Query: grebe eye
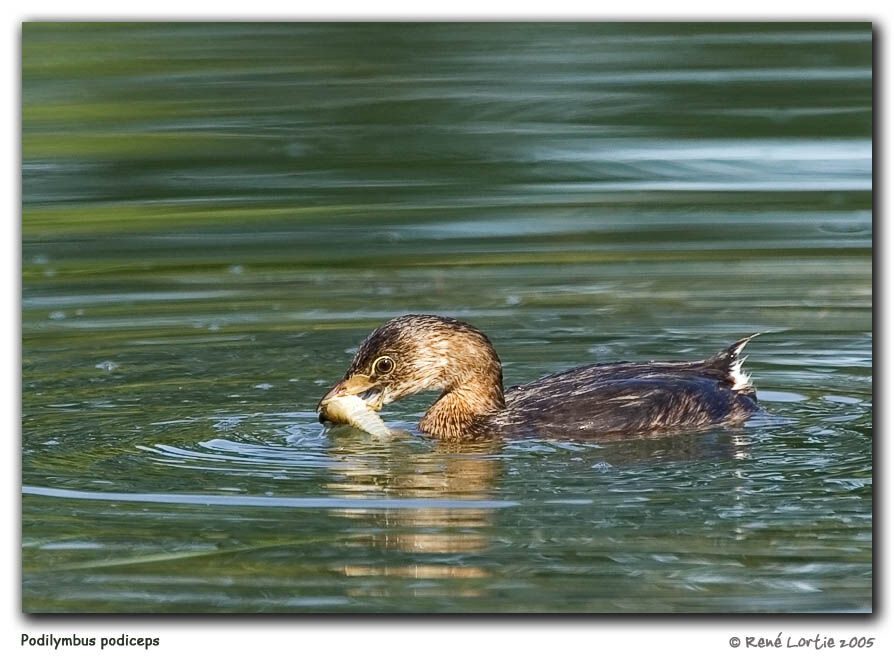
[[383, 365]]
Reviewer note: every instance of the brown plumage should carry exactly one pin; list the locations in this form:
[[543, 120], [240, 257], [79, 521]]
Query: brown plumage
[[416, 353]]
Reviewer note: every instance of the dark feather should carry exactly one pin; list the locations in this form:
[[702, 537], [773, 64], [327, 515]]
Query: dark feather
[[628, 397]]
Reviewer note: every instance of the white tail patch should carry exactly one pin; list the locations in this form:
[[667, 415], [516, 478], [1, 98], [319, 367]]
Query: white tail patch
[[740, 379]]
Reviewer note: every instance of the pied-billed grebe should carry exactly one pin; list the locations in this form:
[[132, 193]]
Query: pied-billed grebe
[[416, 353]]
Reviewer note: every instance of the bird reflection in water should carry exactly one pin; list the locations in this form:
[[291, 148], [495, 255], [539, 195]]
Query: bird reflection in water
[[370, 468], [419, 539]]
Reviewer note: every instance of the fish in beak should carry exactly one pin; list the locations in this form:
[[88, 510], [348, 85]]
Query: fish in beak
[[356, 385]]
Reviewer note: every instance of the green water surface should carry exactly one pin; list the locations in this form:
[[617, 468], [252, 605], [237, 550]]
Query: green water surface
[[214, 217]]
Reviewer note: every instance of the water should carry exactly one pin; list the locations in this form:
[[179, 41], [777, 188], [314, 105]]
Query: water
[[215, 216]]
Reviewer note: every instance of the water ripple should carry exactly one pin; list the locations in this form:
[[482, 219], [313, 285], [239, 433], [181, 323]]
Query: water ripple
[[270, 502]]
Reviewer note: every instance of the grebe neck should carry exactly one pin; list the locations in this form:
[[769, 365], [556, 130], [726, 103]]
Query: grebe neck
[[463, 411]]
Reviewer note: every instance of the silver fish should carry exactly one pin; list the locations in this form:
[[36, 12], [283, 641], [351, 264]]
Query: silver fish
[[356, 412]]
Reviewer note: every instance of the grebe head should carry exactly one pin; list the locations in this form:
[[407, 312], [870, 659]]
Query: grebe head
[[415, 353]]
